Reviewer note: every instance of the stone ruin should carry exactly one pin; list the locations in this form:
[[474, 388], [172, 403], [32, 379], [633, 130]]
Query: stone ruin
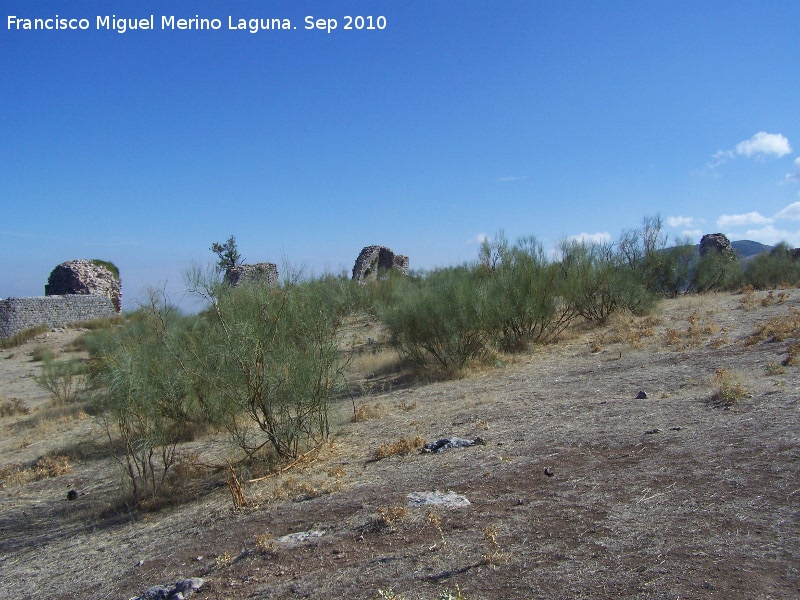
[[717, 242], [374, 261], [257, 273], [84, 277]]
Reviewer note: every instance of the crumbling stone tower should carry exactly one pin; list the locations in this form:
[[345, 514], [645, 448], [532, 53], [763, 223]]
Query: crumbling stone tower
[[84, 277], [374, 261]]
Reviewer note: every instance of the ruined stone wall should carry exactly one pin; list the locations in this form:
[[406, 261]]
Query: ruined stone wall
[[375, 260], [18, 314], [84, 277], [257, 273]]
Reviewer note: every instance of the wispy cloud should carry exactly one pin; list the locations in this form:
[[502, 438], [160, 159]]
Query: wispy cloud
[[478, 239], [692, 233], [769, 234], [790, 213], [796, 175], [681, 221], [751, 218], [513, 178], [599, 237], [761, 146]]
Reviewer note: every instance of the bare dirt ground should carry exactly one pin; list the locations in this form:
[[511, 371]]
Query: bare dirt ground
[[673, 496]]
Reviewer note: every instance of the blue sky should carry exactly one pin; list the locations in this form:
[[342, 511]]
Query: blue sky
[[456, 120]]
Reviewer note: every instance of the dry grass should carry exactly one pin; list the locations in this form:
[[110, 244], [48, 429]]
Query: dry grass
[[44, 468], [730, 389], [265, 543], [10, 407], [365, 412], [709, 479], [389, 517], [793, 353], [42, 353], [630, 330], [23, 336], [777, 329], [402, 447]]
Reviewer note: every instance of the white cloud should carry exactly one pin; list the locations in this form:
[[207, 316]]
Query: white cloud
[[751, 218], [479, 239], [694, 234], [790, 213], [763, 145], [720, 158], [600, 237], [796, 175], [680, 221], [771, 236]]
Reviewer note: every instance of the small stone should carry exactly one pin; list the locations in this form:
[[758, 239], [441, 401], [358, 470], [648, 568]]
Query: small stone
[[642, 395], [72, 495], [548, 471], [436, 498]]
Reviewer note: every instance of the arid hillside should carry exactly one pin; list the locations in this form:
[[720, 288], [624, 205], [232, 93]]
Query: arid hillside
[[580, 488]]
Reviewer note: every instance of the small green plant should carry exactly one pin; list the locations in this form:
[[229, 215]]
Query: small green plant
[[107, 265], [227, 254], [42, 353], [65, 379]]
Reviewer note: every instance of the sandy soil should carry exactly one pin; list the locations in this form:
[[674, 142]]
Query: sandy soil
[[673, 496]]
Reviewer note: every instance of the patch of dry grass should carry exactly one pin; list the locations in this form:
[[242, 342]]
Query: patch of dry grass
[[365, 412], [10, 407], [23, 336], [389, 517], [402, 447], [729, 388], [42, 353], [777, 329], [44, 468]]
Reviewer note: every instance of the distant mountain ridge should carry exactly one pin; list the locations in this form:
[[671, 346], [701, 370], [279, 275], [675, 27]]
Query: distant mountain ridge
[[747, 248]]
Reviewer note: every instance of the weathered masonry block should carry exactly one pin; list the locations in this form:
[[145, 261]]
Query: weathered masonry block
[[18, 314], [85, 277], [374, 261], [248, 274]]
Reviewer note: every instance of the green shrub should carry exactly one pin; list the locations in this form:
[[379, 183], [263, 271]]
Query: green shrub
[[65, 379], [772, 269], [145, 397], [669, 271], [522, 288], [440, 320], [108, 265], [596, 283], [716, 271], [271, 354]]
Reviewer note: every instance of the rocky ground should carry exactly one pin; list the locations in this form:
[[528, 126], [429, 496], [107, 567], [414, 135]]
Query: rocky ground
[[581, 490]]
